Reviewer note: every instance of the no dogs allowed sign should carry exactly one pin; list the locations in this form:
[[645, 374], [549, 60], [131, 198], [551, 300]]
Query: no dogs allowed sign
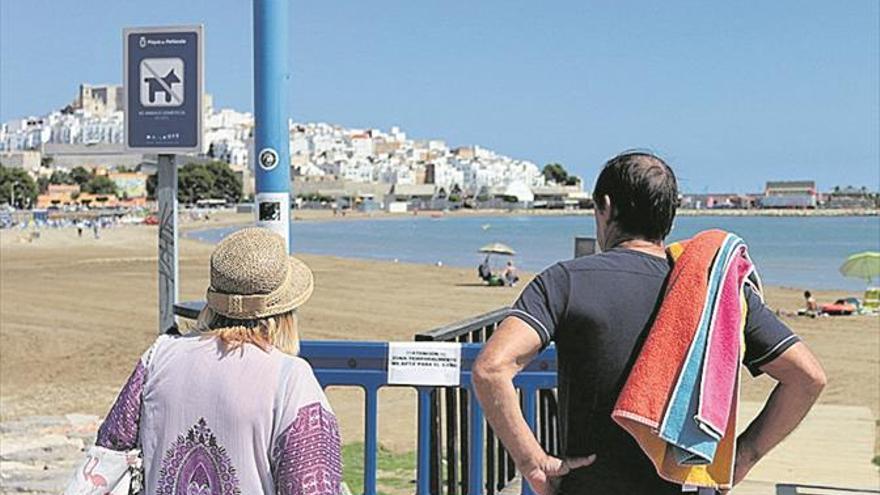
[[164, 82]]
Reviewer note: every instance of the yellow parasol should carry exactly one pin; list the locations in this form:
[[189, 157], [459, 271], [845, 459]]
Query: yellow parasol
[[497, 248], [862, 265]]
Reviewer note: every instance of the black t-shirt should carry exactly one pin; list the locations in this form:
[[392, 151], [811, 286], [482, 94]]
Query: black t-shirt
[[598, 310]]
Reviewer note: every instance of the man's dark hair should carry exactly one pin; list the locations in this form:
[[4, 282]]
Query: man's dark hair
[[808, 294], [643, 193]]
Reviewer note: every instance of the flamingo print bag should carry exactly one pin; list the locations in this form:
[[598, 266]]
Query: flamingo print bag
[[114, 465], [107, 472]]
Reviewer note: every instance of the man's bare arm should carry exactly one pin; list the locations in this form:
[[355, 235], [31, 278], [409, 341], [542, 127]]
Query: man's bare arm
[[801, 380], [509, 350]]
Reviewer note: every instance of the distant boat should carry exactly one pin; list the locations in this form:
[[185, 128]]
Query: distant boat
[[486, 226]]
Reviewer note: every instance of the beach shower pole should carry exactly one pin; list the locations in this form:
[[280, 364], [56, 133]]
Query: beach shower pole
[[271, 133]]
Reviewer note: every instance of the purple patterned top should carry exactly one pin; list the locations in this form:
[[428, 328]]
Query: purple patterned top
[[307, 455], [195, 465], [119, 431], [226, 424]]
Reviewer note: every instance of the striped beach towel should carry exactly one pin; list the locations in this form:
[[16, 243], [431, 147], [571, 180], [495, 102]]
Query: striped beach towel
[[680, 399]]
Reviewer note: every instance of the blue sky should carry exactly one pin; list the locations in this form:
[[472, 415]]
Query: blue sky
[[731, 94]]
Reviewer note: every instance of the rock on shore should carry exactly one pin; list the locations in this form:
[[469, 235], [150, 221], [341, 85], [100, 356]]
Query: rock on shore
[[39, 453]]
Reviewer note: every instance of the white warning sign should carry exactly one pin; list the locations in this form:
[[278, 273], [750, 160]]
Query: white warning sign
[[424, 363], [162, 82]]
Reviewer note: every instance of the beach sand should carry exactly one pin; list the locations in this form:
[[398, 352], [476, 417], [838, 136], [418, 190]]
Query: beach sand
[[76, 313]]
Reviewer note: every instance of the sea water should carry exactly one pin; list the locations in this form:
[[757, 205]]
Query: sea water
[[801, 252]]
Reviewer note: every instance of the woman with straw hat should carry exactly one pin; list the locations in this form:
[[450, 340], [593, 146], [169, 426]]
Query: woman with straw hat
[[229, 408]]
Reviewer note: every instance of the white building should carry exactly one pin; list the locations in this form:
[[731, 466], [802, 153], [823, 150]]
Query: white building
[[316, 148], [362, 145]]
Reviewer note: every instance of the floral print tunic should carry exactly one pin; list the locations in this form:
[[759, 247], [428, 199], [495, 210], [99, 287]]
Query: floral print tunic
[[223, 423]]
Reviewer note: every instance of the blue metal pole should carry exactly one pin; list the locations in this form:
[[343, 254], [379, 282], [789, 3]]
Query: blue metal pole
[[371, 439], [423, 471], [530, 410], [271, 134], [475, 473]]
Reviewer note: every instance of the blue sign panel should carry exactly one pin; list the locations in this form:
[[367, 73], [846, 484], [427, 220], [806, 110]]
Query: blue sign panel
[[163, 89]]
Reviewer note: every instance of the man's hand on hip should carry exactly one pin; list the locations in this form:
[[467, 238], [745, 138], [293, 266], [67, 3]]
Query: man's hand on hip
[[544, 477]]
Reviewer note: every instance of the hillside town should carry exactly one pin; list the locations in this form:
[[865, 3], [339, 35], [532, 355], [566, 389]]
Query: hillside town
[[326, 160], [331, 166]]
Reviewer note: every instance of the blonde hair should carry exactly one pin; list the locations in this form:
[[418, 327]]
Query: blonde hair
[[279, 331]]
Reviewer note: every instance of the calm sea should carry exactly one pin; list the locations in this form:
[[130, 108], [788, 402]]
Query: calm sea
[[802, 252]]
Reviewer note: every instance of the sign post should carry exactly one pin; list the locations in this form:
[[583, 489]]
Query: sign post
[[271, 133], [163, 79], [166, 194]]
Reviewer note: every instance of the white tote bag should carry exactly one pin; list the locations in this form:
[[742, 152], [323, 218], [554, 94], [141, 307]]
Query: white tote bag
[[106, 471]]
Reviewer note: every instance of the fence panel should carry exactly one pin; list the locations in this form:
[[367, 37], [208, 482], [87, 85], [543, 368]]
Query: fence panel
[[451, 426], [460, 418]]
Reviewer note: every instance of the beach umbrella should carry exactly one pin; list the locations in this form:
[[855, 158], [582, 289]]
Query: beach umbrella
[[862, 265], [497, 248]]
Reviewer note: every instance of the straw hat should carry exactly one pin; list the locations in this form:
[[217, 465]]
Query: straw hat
[[252, 276]]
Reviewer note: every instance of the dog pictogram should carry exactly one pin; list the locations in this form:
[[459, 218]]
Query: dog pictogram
[[162, 82], [157, 87]]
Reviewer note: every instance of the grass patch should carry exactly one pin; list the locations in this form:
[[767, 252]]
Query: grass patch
[[396, 476], [876, 460]]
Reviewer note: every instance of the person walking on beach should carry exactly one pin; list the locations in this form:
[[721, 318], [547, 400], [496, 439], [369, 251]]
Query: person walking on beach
[[229, 408], [598, 309]]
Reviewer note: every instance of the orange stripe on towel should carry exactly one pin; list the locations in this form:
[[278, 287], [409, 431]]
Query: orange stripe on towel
[[646, 393]]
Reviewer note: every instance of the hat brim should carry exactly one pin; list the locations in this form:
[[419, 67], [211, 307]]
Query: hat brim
[[303, 281]]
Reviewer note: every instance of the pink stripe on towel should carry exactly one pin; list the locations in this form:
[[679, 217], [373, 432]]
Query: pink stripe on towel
[[721, 365]]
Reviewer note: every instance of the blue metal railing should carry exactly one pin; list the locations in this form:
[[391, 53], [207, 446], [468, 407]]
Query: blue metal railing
[[364, 365], [449, 412], [451, 421]]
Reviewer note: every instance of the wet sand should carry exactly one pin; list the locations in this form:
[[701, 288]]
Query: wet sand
[[76, 313]]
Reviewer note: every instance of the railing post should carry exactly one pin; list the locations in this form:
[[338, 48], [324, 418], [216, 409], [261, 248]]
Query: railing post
[[423, 470], [452, 457], [531, 413], [371, 439], [436, 436], [475, 467]]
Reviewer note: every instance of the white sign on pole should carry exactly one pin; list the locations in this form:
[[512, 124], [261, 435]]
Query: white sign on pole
[[424, 363], [273, 212]]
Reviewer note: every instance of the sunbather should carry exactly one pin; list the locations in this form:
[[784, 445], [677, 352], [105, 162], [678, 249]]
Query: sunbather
[[510, 276], [486, 275], [811, 307]]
